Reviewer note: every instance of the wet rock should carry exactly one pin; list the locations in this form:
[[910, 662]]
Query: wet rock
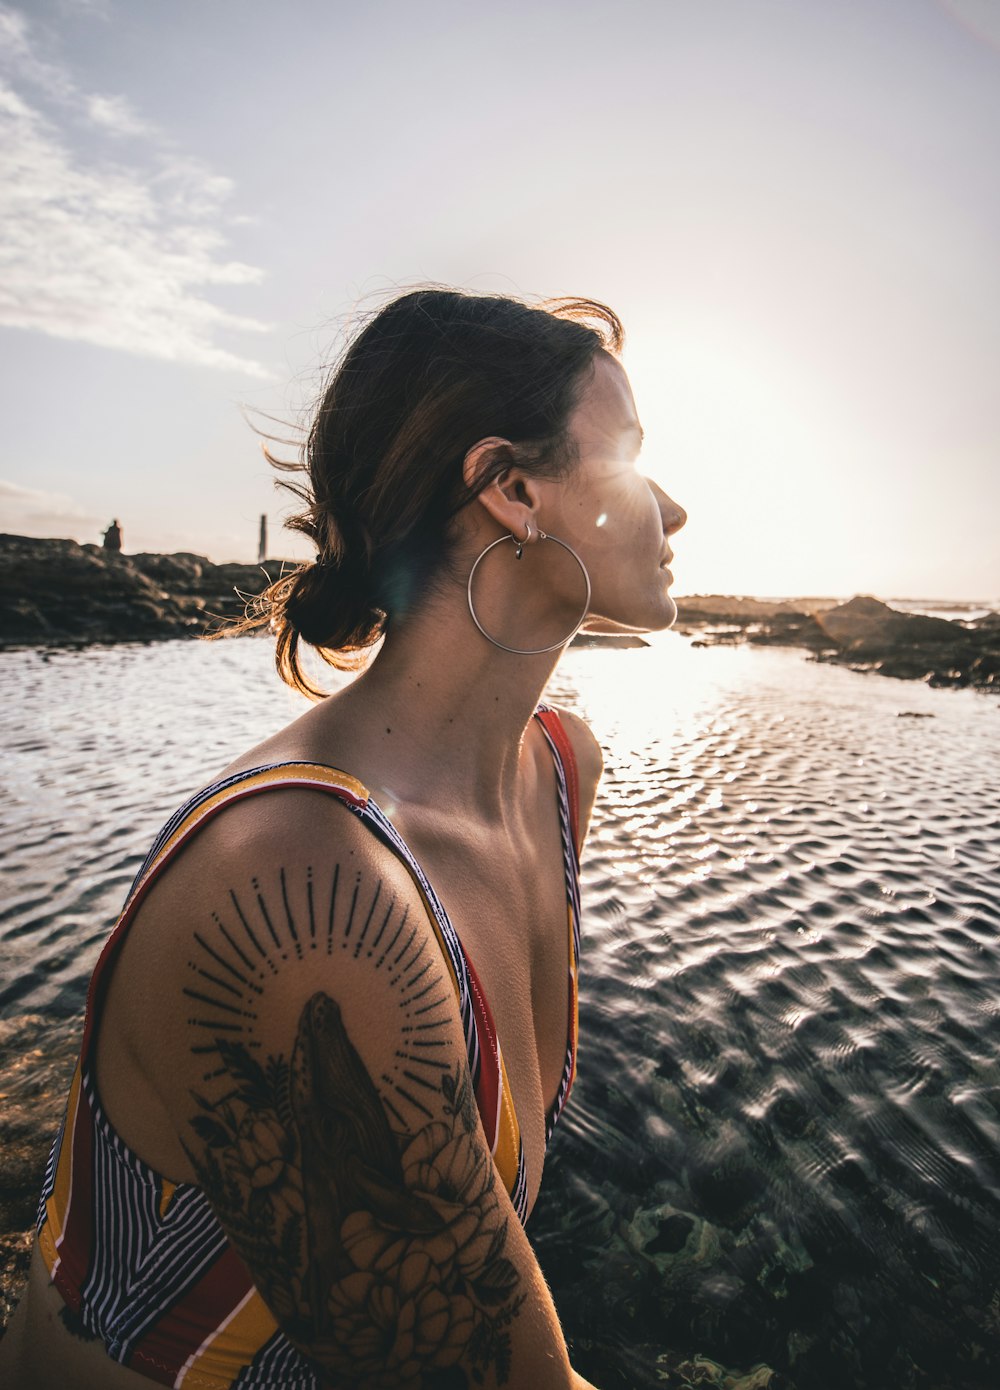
[[59, 593], [681, 1246], [679, 1372], [863, 633]]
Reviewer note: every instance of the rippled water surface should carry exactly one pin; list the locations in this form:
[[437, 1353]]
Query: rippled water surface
[[784, 1142]]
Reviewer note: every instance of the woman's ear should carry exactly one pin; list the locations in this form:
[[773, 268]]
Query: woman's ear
[[512, 498]]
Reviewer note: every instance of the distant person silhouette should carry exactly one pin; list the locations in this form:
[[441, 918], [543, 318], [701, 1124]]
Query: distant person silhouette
[[113, 536]]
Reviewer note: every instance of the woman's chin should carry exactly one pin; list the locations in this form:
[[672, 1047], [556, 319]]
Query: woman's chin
[[663, 617]]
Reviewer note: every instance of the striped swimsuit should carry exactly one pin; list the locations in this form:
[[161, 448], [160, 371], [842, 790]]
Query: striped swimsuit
[[144, 1262]]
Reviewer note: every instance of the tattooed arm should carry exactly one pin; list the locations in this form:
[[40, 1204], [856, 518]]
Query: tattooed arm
[[320, 1089]]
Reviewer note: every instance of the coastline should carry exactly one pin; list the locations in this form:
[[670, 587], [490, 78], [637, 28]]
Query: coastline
[[864, 634], [57, 593]]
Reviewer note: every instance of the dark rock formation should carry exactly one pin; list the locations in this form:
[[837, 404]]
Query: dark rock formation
[[914, 646], [863, 633], [56, 592], [866, 627]]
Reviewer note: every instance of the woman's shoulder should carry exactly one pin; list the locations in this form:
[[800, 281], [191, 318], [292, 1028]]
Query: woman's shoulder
[[267, 823], [586, 749], [259, 888], [589, 764]]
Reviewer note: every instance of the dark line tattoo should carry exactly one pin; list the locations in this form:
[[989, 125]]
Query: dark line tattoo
[[419, 1081], [401, 1091], [288, 915], [354, 903], [427, 1007], [389, 1106], [368, 919], [264, 913], [379, 962], [406, 947], [418, 976], [333, 905], [214, 979], [421, 1061], [411, 965], [426, 989], [246, 925], [385, 923], [215, 1003], [221, 960], [236, 947]]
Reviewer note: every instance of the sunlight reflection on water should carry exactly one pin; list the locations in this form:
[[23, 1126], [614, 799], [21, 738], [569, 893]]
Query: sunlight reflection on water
[[783, 1142]]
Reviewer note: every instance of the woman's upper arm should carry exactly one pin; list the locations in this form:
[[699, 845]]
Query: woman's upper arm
[[321, 1090]]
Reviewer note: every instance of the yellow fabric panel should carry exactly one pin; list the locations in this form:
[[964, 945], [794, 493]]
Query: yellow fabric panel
[[217, 1363], [308, 772], [55, 1207]]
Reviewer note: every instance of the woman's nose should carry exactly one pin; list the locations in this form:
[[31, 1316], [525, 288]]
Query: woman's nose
[[672, 513], [674, 516]]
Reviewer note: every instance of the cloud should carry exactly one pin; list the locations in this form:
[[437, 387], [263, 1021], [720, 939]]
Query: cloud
[[116, 115], [28, 511], [18, 53], [101, 251]]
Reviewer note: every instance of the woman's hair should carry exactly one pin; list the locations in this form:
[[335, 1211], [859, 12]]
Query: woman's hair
[[428, 375]]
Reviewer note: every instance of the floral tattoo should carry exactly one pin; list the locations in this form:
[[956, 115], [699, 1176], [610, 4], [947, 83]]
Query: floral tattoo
[[380, 1247]]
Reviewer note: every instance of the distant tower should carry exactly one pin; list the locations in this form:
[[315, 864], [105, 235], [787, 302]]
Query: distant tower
[[262, 543]]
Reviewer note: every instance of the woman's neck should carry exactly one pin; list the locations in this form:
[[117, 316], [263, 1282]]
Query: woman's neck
[[442, 711]]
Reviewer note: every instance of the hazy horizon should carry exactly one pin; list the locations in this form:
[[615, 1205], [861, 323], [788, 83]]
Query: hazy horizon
[[793, 206]]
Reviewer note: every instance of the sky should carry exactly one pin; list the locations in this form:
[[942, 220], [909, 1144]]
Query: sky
[[793, 205]]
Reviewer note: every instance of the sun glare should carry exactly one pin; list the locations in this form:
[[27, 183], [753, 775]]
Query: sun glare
[[751, 445]]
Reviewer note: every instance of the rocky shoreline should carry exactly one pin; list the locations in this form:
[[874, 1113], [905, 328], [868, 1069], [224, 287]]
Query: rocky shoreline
[[59, 593], [863, 633]]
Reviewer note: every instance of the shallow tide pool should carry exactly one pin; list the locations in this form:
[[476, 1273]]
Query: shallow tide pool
[[783, 1147]]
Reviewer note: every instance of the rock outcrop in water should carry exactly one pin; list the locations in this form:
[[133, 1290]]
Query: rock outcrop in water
[[863, 633], [58, 593]]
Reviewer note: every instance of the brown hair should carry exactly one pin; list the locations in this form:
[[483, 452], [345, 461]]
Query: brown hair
[[428, 375]]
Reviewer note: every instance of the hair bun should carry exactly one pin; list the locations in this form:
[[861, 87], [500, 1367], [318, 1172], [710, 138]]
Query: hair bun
[[329, 603]]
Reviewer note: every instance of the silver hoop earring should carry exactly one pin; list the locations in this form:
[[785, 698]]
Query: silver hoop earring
[[518, 552]]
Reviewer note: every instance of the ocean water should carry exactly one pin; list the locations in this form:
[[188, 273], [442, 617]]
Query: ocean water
[[783, 1147]]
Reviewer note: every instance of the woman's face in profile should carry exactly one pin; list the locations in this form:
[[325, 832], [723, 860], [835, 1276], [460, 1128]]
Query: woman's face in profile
[[617, 519]]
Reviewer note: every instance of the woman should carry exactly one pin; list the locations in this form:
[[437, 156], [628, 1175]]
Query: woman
[[295, 1152]]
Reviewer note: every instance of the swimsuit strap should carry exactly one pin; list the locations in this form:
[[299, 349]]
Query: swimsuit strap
[[565, 759], [568, 786]]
